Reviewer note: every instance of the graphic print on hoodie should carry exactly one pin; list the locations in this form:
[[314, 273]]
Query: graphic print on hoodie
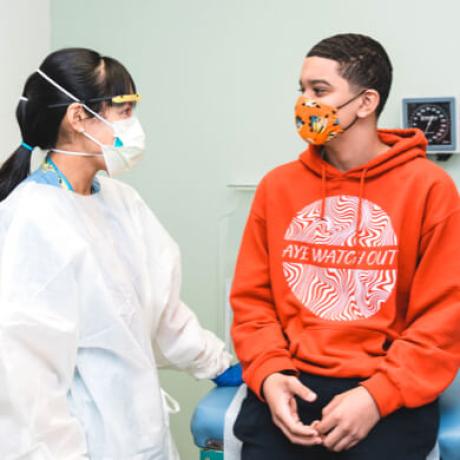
[[339, 267], [353, 274]]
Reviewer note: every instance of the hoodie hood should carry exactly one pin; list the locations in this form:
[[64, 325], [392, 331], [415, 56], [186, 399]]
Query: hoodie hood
[[404, 145]]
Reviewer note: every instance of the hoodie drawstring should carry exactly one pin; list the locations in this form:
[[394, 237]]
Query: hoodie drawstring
[[323, 191], [360, 203], [362, 182]]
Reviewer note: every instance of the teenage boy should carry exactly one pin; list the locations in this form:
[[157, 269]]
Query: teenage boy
[[346, 295]]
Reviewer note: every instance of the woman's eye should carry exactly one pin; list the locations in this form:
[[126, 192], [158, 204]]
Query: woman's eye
[[301, 90], [319, 91]]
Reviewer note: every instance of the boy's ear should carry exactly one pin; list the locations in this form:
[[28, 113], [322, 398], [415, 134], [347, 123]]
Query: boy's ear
[[74, 117], [370, 102]]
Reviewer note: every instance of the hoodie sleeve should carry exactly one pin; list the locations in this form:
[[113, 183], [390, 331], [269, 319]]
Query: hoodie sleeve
[[257, 333], [424, 359]]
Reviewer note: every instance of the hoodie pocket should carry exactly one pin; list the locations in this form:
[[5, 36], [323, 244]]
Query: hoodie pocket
[[332, 347]]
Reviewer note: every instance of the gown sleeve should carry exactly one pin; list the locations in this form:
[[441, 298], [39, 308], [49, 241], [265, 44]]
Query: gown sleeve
[[178, 339], [38, 339], [182, 340]]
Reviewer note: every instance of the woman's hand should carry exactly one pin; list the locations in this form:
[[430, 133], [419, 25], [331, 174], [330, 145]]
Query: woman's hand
[[232, 377]]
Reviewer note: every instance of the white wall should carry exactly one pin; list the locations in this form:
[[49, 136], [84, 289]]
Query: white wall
[[25, 41]]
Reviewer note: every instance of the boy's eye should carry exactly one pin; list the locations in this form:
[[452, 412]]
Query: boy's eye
[[316, 91], [319, 91]]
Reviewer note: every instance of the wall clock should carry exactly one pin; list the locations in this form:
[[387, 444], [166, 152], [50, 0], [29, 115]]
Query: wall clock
[[436, 118]]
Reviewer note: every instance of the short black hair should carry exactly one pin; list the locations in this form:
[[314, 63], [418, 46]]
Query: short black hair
[[362, 60]]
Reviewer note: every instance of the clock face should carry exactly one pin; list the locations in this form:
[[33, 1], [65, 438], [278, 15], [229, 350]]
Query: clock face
[[434, 119]]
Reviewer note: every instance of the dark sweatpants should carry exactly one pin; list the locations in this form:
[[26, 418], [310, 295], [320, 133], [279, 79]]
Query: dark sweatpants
[[407, 434]]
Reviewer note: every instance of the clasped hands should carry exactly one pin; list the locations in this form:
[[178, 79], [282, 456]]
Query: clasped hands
[[346, 420]]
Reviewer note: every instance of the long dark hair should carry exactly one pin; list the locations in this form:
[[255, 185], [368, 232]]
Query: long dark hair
[[85, 74]]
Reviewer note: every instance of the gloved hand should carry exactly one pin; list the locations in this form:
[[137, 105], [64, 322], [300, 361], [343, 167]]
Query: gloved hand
[[232, 377]]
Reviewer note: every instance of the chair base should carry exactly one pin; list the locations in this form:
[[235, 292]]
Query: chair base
[[210, 454]]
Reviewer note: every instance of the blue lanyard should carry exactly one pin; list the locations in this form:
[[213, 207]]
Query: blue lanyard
[[59, 173]]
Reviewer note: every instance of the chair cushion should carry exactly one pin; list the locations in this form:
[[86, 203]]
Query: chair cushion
[[449, 430], [209, 416]]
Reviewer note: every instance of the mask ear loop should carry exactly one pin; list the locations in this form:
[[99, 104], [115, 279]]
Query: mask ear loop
[[350, 125], [348, 102], [92, 138], [74, 98], [76, 154], [352, 99]]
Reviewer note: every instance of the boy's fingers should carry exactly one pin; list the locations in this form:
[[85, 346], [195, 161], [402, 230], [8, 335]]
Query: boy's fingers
[[298, 428], [297, 388], [293, 425], [332, 405], [293, 409], [334, 437], [296, 439], [326, 424], [343, 444]]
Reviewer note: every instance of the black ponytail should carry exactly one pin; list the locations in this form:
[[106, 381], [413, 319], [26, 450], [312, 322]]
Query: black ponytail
[[14, 170], [84, 73]]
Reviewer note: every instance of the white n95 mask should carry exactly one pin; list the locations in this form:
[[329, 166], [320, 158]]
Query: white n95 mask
[[128, 148], [129, 144]]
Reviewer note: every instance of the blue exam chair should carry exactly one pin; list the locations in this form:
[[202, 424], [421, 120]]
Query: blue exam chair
[[449, 430], [208, 422]]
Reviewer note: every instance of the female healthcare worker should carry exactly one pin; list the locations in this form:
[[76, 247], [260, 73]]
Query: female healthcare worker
[[89, 279]]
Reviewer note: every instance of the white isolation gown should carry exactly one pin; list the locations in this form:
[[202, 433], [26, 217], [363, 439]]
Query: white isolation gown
[[89, 306]]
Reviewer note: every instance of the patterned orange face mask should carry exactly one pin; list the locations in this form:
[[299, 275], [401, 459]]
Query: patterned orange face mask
[[317, 123]]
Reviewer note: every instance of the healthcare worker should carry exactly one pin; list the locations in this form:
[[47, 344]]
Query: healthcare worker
[[89, 279]]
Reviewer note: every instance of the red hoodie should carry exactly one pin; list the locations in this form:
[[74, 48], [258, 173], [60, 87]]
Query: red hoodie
[[354, 274]]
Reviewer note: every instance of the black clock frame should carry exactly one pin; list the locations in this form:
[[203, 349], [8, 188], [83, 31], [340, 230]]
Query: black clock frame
[[434, 148]]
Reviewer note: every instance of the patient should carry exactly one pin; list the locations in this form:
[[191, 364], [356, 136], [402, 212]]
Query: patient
[[346, 295]]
